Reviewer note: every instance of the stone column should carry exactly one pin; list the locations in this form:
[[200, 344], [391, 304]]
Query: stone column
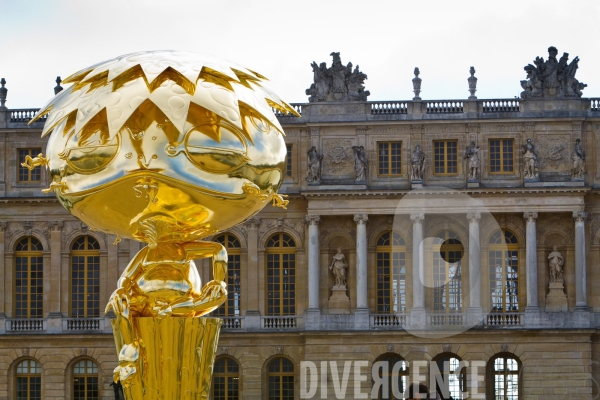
[[313, 262], [417, 314], [474, 269], [54, 276], [531, 259], [361, 313], [250, 277], [3, 226], [580, 269]]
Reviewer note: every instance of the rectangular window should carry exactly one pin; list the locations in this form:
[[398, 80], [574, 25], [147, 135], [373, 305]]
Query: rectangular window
[[23, 173], [445, 161], [288, 161], [501, 156], [389, 159]]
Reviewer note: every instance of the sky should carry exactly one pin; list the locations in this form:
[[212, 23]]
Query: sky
[[42, 39]]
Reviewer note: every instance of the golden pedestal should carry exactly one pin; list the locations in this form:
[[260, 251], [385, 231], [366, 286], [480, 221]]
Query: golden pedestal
[[176, 357]]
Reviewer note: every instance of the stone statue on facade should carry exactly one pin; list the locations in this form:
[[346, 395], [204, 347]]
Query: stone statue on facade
[[552, 78], [417, 84], [360, 163], [556, 262], [578, 158], [338, 268], [313, 171], [472, 84], [337, 83], [530, 161], [472, 155], [417, 164]]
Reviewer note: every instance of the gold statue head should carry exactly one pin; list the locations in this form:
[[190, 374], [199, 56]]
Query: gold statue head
[[164, 146]]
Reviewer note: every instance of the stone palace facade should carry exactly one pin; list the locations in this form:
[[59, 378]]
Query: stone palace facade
[[424, 230]]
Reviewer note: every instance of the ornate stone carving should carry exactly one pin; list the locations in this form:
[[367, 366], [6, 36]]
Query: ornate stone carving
[[360, 163], [579, 216], [417, 163], [3, 226], [552, 78], [389, 348], [83, 352], [417, 84], [553, 152], [555, 263], [472, 84], [313, 219], [530, 161], [224, 350], [27, 227], [336, 160], [504, 347], [3, 93], [474, 216], [295, 224], [578, 159], [472, 157], [313, 171], [55, 225], [530, 216], [417, 217], [338, 267], [361, 218], [554, 223], [337, 83], [279, 349], [447, 348]]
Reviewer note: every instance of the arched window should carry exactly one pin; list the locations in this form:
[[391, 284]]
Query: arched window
[[504, 271], [226, 379], [391, 273], [281, 275], [85, 278], [232, 307], [280, 379], [394, 374], [503, 372], [29, 279], [447, 274], [452, 382], [29, 380], [85, 380]]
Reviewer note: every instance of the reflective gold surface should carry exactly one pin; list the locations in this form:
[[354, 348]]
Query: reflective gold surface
[[166, 148]]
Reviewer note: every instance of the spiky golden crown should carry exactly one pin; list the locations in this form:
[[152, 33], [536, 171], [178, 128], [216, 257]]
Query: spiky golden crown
[[171, 80]]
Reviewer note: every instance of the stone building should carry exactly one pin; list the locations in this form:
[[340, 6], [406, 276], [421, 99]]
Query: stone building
[[417, 231]]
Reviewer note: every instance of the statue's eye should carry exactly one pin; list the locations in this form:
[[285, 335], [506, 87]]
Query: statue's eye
[[91, 149], [218, 149]]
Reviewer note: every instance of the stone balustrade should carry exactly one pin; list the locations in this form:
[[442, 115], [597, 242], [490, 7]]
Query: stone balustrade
[[26, 325], [504, 319], [442, 319], [488, 106], [388, 321], [83, 324], [388, 107], [280, 322], [24, 115], [444, 107], [232, 323]]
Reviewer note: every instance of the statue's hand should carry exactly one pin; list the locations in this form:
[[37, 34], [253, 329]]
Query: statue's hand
[[163, 309], [119, 302], [214, 293]]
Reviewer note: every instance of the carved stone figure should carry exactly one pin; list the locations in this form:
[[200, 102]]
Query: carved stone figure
[[417, 164], [530, 161], [578, 158], [552, 78], [337, 83], [360, 163], [313, 172], [417, 84], [472, 155], [338, 268], [556, 266], [472, 84]]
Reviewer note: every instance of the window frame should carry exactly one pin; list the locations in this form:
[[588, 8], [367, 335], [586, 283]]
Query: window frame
[[28, 375], [289, 161], [234, 259], [32, 152], [86, 375], [390, 249], [505, 247], [460, 377], [389, 156], [437, 247], [281, 375], [404, 373], [501, 146], [445, 173], [490, 375], [280, 251], [227, 375], [86, 253], [28, 254]]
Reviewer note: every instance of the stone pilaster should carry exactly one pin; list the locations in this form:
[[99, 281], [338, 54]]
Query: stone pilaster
[[361, 312], [54, 277], [531, 261], [313, 261], [580, 269], [3, 226], [475, 311], [250, 277], [417, 317]]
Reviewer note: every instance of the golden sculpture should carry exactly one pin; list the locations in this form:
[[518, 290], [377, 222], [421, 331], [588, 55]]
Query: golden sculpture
[[166, 148]]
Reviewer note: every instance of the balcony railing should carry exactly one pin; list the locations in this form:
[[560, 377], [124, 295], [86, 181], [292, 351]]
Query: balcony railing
[[501, 105], [445, 107], [389, 321], [24, 115], [507, 319], [389, 107], [83, 324], [26, 325], [445, 319], [295, 106], [595, 105], [280, 323], [233, 323]]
